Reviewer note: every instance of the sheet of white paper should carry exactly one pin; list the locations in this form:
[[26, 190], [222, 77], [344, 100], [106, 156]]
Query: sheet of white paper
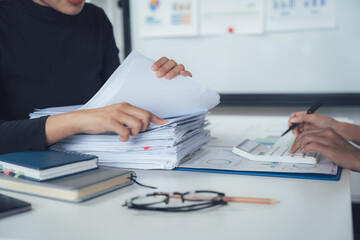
[[134, 82], [223, 158], [53, 111]]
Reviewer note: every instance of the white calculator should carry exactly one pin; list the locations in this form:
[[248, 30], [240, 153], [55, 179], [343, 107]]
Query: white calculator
[[253, 150]]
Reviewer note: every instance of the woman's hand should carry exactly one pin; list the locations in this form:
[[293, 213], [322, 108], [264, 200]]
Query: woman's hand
[[122, 118], [330, 144], [350, 132], [169, 68], [308, 121]]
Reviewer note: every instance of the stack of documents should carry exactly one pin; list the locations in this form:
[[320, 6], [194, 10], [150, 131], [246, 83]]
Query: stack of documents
[[182, 101]]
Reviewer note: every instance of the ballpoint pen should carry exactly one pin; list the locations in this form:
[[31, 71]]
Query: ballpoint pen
[[309, 111]]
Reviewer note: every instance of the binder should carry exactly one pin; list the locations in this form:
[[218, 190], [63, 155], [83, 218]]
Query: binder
[[313, 176], [221, 160]]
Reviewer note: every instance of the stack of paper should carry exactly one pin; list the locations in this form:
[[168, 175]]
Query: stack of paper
[[182, 101]]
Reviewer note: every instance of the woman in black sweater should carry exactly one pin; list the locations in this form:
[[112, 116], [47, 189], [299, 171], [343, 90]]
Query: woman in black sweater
[[57, 53]]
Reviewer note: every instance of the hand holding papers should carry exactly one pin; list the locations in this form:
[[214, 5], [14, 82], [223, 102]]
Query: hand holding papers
[[134, 82], [182, 101]]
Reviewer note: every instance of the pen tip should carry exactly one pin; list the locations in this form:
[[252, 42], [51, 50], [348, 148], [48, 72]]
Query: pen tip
[[274, 201]]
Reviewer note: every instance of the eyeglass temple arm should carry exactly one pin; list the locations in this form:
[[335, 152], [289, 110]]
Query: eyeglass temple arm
[[232, 199]]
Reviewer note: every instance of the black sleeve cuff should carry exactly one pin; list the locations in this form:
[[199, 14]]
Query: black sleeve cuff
[[22, 135]]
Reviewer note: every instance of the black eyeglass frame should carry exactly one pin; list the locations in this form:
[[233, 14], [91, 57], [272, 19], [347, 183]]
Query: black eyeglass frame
[[201, 203]]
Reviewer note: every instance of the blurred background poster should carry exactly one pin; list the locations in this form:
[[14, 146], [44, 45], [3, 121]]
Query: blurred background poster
[[300, 14], [168, 18], [231, 16]]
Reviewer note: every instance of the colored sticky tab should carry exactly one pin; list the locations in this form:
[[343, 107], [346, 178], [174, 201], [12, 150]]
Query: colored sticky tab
[[146, 148], [7, 172], [18, 174]]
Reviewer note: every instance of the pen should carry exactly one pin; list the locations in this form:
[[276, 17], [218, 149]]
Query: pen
[[234, 199], [309, 111], [250, 200]]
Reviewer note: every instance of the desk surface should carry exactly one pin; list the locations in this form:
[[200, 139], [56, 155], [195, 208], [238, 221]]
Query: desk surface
[[308, 209]]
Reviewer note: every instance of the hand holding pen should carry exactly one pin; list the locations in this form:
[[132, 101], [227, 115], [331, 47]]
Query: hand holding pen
[[304, 117]]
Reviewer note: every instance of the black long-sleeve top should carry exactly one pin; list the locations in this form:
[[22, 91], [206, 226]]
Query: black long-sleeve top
[[48, 59]]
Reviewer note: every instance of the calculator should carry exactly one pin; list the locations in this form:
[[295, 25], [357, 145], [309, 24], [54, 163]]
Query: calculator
[[253, 150]]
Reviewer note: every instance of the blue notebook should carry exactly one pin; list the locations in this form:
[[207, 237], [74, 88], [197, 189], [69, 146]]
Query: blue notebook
[[45, 165]]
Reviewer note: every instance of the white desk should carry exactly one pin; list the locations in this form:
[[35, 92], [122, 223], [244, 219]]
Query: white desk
[[308, 209]]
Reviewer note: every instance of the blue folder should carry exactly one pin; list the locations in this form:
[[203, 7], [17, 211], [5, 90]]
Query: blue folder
[[314, 176]]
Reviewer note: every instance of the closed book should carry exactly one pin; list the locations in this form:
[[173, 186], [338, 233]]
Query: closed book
[[45, 165], [73, 188]]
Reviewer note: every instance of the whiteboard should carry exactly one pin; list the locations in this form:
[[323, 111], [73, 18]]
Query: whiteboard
[[322, 61]]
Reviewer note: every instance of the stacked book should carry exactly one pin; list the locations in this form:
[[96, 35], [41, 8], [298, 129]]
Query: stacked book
[[45, 165], [182, 101]]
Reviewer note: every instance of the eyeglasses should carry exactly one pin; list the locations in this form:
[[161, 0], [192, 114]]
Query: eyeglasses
[[176, 201]]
